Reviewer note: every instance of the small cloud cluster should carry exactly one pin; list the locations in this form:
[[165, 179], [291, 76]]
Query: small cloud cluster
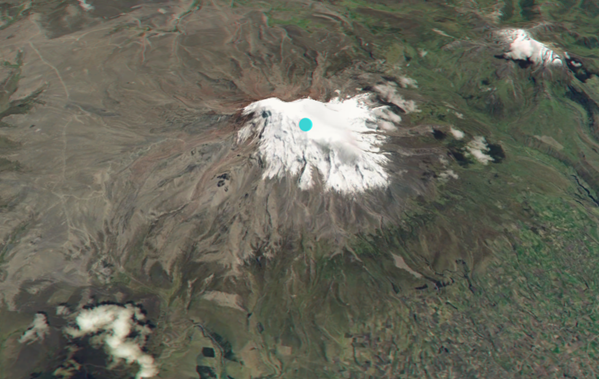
[[409, 82], [37, 330], [388, 92], [114, 326], [448, 174], [387, 118], [63, 310], [478, 149]]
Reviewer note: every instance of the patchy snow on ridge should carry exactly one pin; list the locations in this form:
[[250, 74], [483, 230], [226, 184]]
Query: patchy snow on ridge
[[343, 144], [37, 330], [112, 326], [86, 6], [524, 47]]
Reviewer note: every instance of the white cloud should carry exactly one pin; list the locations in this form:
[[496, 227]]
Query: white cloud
[[447, 174], [37, 330], [523, 47], [343, 144], [62, 310], [478, 149], [456, 133], [409, 82], [389, 94], [114, 323], [387, 118]]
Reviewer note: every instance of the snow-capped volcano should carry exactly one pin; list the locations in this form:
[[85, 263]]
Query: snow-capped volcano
[[522, 47], [343, 145]]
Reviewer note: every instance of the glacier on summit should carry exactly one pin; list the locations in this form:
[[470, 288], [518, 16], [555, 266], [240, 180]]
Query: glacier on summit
[[343, 146], [523, 47]]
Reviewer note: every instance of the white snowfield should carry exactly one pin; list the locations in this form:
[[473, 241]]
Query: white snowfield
[[523, 47], [343, 145]]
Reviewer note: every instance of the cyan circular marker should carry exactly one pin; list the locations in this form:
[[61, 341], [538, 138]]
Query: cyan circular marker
[[305, 124]]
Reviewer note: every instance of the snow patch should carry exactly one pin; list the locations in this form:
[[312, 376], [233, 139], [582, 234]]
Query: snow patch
[[478, 149], [86, 6], [524, 47], [343, 144], [37, 330], [442, 33], [113, 325], [571, 61]]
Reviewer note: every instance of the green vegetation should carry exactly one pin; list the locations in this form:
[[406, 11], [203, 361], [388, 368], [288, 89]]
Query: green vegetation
[[527, 314], [9, 86], [506, 255]]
